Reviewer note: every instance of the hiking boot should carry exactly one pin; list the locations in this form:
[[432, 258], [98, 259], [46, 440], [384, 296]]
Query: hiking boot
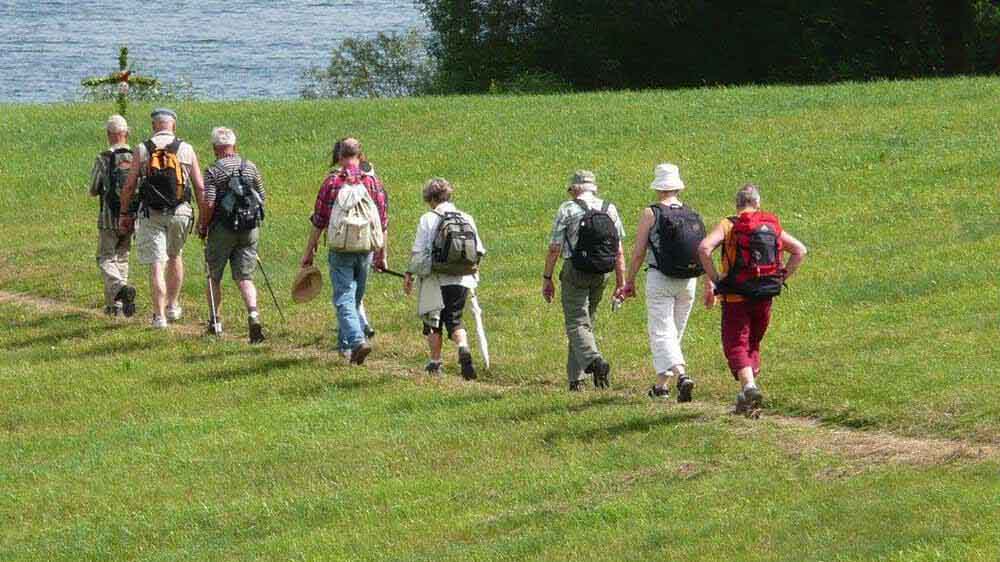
[[174, 313], [112, 310], [659, 392], [255, 330], [685, 386], [741, 406], [601, 371], [433, 368], [158, 322], [360, 353], [465, 360], [575, 386], [126, 296], [754, 398], [213, 328]]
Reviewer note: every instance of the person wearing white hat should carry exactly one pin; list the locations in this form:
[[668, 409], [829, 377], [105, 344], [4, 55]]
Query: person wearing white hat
[[667, 242]]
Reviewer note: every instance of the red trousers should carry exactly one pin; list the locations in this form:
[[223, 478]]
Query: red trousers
[[743, 327]]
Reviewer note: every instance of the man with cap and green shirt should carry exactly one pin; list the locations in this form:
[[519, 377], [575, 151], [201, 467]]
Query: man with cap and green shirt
[[163, 163], [106, 180], [587, 233]]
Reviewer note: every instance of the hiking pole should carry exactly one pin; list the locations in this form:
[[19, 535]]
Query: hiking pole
[[214, 320], [391, 272], [271, 290]]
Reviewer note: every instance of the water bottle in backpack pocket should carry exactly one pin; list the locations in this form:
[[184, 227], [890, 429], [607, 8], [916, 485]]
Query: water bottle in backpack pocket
[[455, 249]]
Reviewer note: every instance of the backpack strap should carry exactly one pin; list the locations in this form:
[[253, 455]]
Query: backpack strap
[[584, 206], [605, 206], [174, 146]]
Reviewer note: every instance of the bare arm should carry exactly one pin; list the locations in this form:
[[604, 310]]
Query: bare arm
[[311, 243], [705, 249], [796, 249], [620, 268], [640, 248], [548, 287], [199, 186]]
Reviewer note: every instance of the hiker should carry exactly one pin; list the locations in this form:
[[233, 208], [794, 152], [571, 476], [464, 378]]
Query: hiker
[[231, 214], [352, 208], [107, 177], [367, 168], [165, 170], [588, 234], [751, 276], [667, 241], [445, 261]]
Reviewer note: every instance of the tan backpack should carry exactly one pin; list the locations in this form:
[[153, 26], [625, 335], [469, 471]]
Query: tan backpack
[[356, 227]]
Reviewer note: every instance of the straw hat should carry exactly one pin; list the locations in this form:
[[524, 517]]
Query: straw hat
[[667, 177], [308, 283]]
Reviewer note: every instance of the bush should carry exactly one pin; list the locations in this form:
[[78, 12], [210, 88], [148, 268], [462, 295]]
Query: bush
[[387, 65]]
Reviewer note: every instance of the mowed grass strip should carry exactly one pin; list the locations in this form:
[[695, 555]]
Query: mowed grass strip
[[124, 443]]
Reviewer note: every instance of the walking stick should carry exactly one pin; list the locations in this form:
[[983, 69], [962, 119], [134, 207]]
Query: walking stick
[[271, 290], [214, 320]]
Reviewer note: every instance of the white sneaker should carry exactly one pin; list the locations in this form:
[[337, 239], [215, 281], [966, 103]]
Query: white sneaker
[[174, 313], [159, 322]]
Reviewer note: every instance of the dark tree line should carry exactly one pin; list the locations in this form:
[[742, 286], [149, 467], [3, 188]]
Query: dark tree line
[[596, 44]]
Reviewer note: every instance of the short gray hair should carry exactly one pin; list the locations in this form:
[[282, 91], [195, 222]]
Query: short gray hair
[[164, 119], [223, 136], [437, 190], [748, 196], [117, 124]]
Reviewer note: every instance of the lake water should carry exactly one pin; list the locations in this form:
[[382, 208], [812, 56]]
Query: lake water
[[225, 49]]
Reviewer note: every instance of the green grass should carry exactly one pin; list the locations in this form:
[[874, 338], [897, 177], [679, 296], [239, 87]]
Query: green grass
[[121, 443]]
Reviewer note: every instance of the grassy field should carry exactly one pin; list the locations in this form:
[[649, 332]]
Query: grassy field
[[120, 443]]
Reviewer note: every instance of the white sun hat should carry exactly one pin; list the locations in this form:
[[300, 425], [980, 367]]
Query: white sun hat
[[667, 177]]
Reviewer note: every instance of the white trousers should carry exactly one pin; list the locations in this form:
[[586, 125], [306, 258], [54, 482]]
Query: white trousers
[[668, 305]]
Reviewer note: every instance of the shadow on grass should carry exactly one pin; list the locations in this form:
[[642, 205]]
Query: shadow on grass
[[409, 404], [534, 412], [56, 333], [634, 425], [228, 373]]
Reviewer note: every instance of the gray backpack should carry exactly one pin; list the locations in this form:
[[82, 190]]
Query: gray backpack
[[455, 248]]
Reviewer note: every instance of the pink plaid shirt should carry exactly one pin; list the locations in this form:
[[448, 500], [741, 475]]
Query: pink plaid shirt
[[331, 188]]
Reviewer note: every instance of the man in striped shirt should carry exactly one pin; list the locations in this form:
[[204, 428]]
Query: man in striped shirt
[[227, 241]]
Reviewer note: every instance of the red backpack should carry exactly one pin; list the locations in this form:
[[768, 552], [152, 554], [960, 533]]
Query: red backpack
[[754, 254]]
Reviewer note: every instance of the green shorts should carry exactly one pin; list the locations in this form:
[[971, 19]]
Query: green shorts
[[239, 249], [162, 235]]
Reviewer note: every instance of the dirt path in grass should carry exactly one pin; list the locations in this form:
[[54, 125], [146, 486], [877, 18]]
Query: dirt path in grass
[[800, 436]]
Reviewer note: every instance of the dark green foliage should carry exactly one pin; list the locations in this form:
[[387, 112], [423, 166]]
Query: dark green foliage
[[387, 65], [598, 44]]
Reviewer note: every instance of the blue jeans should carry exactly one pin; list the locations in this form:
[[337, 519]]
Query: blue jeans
[[349, 275]]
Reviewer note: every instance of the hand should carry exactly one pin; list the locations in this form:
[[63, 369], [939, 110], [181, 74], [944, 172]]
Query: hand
[[408, 284], [380, 262], [125, 224], [548, 290], [307, 259], [710, 298], [627, 291]]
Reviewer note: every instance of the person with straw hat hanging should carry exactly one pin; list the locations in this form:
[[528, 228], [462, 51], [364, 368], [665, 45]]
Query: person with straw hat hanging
[[667, 242]]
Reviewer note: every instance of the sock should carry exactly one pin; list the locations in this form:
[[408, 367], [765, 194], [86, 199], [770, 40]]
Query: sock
[[751, 384], [254, 315]]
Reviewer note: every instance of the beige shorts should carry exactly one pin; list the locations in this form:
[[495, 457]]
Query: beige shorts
[[162, 235]]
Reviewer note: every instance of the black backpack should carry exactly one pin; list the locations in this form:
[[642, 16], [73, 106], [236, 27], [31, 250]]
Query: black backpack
[[596, 247], [240, 209], [679, 230], [455, 248], [114, 179], [164, 187]]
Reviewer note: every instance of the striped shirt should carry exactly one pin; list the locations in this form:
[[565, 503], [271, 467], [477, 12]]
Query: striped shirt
[[217, 177], [107, 219]]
